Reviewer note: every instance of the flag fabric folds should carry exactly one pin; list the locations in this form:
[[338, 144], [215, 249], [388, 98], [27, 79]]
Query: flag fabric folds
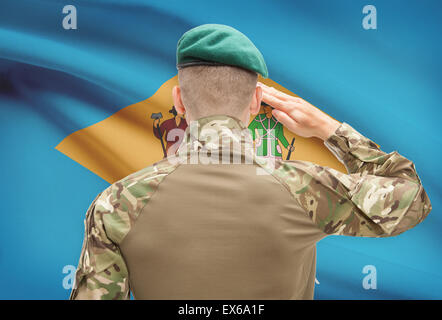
[[78, 110]]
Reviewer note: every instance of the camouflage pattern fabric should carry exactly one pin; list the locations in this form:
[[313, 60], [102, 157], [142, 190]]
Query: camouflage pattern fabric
[[102, 272], [216, 134], [380, 196]]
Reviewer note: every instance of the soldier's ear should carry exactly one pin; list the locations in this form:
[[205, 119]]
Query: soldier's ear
[[178, 103], [255, 104]]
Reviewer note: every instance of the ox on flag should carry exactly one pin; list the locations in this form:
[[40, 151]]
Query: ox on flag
[[85, 100]]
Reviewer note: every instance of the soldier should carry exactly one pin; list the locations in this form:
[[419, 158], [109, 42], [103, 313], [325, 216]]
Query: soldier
[[267, 132], [231, 233], [172, 129]]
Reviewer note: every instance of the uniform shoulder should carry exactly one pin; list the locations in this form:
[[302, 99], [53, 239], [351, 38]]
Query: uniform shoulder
[[298, 174], [293, 165], [139, 186], [120, 204], [158, 169]]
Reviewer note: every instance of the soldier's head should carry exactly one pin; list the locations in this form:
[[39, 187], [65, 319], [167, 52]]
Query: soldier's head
[[218, 69], [214, 90]]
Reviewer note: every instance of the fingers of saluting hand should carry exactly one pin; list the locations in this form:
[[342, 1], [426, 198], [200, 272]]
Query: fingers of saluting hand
[[277, 103], [286, 120]]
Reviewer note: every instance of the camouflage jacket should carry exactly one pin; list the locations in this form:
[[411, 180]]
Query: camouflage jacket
[[381, 196]]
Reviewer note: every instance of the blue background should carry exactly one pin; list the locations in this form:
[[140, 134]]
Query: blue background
[[384, 82]]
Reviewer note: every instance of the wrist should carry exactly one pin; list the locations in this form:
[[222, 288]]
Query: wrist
[[327, 128]]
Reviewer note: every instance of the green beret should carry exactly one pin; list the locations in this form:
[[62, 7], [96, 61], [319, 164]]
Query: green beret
[[216, 44]]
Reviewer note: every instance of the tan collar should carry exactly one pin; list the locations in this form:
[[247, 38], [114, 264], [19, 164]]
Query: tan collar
[[219, 133]]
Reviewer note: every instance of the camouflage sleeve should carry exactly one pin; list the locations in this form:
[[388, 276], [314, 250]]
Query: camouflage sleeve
[[380, 196], [101, 272]]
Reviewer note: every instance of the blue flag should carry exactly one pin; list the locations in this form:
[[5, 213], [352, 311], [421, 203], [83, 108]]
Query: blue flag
[[68, 67]]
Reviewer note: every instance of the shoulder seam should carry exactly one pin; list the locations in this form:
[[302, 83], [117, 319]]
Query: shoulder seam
[[281, 181], [137, 215]]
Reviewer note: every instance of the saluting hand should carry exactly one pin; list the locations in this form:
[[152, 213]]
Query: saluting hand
[[298, 115]]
